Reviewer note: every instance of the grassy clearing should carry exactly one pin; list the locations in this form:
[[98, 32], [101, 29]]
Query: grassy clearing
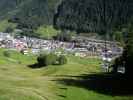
[[19, 82], [5, 24], [46, 32], [15, 57]]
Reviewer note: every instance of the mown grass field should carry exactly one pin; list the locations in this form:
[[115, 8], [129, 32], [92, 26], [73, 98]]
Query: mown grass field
[[19, 82]]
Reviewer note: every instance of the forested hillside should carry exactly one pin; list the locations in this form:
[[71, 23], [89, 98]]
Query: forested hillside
[[93, 15], [7, 7], [28, 13]]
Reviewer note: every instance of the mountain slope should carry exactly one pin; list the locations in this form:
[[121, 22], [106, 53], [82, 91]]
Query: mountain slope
[[28, 12]]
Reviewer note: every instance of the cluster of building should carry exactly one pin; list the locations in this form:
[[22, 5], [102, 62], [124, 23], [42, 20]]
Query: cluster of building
[[80, 46]]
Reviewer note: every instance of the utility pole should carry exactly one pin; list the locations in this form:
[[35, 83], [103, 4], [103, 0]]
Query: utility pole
[[48, 16], [106, 63]]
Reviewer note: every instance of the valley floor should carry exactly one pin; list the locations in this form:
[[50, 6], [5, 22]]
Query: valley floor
[[19, 82]]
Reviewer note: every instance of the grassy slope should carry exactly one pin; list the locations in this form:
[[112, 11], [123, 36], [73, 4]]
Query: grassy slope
[[46, 32], [4, 24], [19, 82]]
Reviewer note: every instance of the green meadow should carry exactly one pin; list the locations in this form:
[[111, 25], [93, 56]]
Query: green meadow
[[20, 82]]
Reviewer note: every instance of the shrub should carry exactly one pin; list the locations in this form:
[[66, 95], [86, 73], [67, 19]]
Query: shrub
[[7, 53], [41, 59], [62, 60], [47, 59], [51, 59]]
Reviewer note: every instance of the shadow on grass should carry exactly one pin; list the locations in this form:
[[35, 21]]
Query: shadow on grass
[[104, 83], [63, 96], [35, 66]]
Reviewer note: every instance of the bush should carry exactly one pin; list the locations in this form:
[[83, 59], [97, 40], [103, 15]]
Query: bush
[[62, 60], [7, 53], [41, 60], [51, 59], [47, 59]]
